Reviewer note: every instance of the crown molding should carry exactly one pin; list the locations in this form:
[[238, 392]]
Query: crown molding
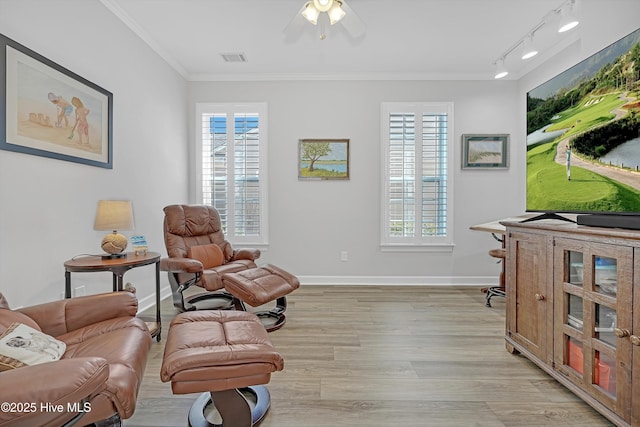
[[133, 25]]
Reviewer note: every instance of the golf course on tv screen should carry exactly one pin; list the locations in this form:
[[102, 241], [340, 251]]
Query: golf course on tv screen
[[583, 135]]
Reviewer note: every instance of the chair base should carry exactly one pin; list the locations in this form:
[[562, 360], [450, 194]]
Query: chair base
[[113, 421], [244, 407], [494, 291], [208, 301], [273, 319], [214, 300]]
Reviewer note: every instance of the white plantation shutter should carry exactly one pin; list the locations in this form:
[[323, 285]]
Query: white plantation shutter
[[416, 186], [434, 174], [232, 148]]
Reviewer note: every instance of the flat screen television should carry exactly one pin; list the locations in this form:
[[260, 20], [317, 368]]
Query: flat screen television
[[583, 138]]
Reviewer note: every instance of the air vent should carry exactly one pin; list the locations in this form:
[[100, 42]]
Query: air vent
[[234, 57]]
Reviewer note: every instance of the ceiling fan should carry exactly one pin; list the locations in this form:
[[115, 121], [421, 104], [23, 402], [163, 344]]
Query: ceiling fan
[[322, 12]]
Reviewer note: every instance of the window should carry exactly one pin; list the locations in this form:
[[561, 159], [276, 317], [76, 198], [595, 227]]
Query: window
[[416, 213], [231, 165]]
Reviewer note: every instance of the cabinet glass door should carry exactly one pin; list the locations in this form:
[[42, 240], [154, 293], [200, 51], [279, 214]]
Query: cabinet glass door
[[592, 290], [574, 312], [604, 344], [575, 268]]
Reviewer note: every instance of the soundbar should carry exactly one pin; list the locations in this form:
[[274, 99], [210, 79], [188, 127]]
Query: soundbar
[[631, 222]]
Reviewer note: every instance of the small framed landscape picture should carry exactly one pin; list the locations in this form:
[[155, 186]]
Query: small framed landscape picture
[[485, 151], [323, 159]]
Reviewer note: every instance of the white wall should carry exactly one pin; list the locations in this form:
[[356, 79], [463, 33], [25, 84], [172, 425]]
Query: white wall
[[312, 222], [47, 206]]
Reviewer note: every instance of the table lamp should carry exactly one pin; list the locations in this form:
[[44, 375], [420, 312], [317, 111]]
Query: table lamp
[[114, 215]]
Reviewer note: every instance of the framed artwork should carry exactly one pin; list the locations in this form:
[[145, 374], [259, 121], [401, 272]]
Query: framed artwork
[[47, 110], [485, 151], [139, 244], [323, 159]]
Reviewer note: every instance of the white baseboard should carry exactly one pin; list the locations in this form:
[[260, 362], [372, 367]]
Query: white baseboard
[[150, 300]]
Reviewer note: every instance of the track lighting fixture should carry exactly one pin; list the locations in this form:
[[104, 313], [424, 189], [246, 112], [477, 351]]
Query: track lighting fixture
[[501, 71], [568, 19], [566, 12], [528, 47]]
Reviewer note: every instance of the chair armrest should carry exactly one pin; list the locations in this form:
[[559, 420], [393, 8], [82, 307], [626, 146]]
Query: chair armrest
[[246, 253], [59, 317], [33, 389], [181, 265]]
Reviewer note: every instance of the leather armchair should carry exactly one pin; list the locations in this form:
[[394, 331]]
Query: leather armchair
[[187, 227], [98, 377]]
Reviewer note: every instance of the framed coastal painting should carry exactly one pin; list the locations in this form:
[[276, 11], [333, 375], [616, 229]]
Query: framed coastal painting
[[323, 159], [485, 151], [49, 111]]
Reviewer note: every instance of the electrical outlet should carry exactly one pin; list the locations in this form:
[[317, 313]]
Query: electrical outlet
[[344, 256], [80, 291]]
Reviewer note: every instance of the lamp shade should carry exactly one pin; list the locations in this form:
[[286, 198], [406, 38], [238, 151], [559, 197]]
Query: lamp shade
[[336, 13], [310, 13], [114, 215]]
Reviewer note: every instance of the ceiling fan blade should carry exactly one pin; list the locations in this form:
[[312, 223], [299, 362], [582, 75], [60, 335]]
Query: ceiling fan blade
[[296, 26], [351, 22]]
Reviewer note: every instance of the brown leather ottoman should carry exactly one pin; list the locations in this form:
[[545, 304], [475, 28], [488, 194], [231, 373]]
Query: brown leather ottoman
[[258, 286], [221, 353]]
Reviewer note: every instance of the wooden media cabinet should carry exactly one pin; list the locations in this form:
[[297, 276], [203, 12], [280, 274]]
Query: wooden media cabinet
[[573, 308]]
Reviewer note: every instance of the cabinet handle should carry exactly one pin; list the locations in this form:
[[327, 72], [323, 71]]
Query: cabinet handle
[[539, 297], [621, 333], [635, 340]]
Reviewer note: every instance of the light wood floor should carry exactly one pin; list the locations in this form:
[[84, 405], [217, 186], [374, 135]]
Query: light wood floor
[[389, 356]]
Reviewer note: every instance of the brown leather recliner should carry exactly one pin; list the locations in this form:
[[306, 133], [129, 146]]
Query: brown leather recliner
[[200, 255], [98, 377]]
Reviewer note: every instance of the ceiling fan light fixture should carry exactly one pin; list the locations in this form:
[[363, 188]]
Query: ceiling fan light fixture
[[310, 13], [323, 5], [336, 13]]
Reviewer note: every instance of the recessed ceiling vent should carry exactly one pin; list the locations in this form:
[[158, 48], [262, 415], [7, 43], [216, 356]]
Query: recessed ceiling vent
[[234, 57]]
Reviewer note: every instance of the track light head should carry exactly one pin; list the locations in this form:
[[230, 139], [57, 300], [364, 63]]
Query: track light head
[[528, 47], [501, 71], [568, 19]]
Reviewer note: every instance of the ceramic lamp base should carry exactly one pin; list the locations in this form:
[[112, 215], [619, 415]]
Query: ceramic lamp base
[[114, 244]]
